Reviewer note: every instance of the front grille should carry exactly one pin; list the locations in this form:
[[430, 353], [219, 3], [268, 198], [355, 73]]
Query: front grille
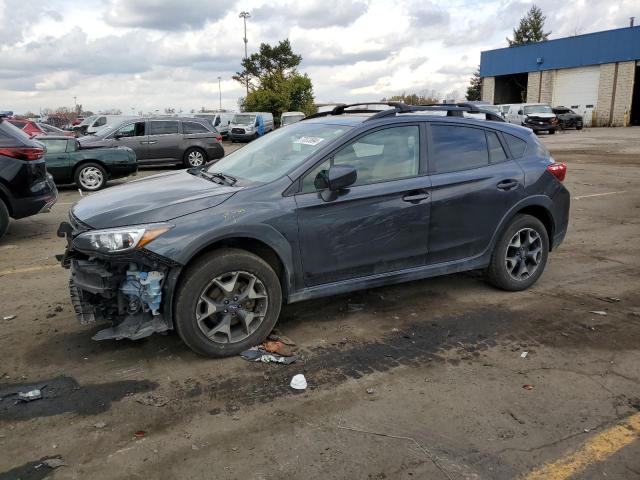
[[238, 130]]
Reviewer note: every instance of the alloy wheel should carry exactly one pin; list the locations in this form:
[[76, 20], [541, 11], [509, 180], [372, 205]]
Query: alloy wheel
[[195, 158], [91, 178], [231, 307], [524, 254]]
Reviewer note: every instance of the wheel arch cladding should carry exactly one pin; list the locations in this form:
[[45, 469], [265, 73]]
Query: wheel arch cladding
[[542, 214], [84, 161]]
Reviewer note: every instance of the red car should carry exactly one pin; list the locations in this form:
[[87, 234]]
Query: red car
[[32, 128]]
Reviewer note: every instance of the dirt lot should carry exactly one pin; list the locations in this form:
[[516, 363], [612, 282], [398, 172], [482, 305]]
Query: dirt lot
[[420, 380]]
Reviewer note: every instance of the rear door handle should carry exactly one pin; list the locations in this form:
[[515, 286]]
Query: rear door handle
[[508, 184], [151, 143], [415, 197]]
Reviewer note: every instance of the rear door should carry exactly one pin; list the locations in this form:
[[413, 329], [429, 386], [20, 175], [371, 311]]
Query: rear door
[[378, 225], [474, 183], [165, 141], [57, 158]]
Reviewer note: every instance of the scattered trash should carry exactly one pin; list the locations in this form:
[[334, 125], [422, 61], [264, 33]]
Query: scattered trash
[[139, 434], [276, 335], [58, 308], [370, 391], [610, 299], [598, 312], [277, 347], [354, 307], [52, 463], [151, 400], [635, 314], [100, 425], [9, 317], [30, 396], [257, 354], [298, 382], [524, 354], [527, 387]]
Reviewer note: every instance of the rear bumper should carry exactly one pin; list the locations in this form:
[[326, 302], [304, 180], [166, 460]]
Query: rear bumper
[[215, 152], [45, 196]]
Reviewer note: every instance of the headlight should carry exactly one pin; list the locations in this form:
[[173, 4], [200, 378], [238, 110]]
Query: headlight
[[119, 240], [249, 129]]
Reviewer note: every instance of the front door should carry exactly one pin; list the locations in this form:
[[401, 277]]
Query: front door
[[474, 184], [380, 224], [165, 141], [132, 135]]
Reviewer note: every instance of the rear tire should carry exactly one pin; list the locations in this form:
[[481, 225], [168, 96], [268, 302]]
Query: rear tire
[[551, 132], [579, 128], [227, 302], [4, 219], [90, 177], [520, 254], [194, 157]]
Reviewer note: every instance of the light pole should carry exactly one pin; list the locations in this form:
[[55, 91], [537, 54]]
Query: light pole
[[244, 16], [75, 104], [220, 92]]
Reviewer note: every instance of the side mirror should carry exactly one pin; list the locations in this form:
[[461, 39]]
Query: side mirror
[[336, 178], [519, 112]]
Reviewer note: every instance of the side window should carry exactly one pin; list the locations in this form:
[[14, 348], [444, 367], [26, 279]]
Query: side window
[[455, 148], [128, 130], [516, 145], [217, 122], [496, 152], [56, 146], [381, 156], [163, 127], [193, 127], [100, 122]]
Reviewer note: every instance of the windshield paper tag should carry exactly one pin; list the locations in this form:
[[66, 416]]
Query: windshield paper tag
[[313, 141]]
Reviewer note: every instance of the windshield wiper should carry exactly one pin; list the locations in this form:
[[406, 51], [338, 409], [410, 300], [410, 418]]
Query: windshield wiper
[[217, 177]]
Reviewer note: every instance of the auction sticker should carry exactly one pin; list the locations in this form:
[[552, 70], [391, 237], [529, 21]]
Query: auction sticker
[[313, 141]]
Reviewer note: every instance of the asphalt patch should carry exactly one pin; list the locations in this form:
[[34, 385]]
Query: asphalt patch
[[64, 394], [35, 470]]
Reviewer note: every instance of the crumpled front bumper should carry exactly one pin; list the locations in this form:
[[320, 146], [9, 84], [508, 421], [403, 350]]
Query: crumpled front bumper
[[132, 292]]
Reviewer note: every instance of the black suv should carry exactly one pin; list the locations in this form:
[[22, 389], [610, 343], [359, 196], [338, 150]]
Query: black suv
[[341, 201], [25, 186], [189, 141], [567, 118]]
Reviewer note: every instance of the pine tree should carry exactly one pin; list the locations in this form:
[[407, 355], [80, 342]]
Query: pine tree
[[474, 90], [531, 29]]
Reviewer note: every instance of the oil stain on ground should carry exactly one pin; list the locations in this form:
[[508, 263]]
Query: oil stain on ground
[[36, 470], [64, 394]]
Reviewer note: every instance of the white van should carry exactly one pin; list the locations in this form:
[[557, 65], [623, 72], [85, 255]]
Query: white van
[[248, 126], [288, 118], [96, 122], [219, 120], [539, 117]]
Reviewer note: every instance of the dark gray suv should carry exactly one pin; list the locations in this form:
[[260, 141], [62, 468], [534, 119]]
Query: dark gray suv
[[341, 201], [189, 141]]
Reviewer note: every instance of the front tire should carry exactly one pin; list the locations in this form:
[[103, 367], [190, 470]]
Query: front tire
[[194, 157], [227, 302], [90, 177], [520, 255], [4, 219]]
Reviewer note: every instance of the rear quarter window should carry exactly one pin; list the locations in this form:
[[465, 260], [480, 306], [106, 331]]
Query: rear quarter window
[[193, 127], [516, 145]]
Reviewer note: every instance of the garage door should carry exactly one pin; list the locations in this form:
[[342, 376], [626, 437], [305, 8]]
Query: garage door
[[577, 88]]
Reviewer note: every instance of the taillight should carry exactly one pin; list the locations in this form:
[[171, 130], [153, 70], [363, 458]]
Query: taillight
[[23, 153], [558, 170], [219, 137]]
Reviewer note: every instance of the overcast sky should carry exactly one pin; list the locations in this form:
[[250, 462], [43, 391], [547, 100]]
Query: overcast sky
[[152, 54]]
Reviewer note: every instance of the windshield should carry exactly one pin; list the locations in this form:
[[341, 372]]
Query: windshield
[[89, 120], [272, 156], [243, 119], [537, 109], [104, 131], [491, 108]]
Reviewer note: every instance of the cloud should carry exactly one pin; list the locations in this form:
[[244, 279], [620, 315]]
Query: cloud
[[17, 16], [165, 14], [313, 13]]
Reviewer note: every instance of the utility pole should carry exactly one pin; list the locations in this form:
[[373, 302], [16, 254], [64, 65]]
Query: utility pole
[[75, 104], [220, 92], [244, 16]]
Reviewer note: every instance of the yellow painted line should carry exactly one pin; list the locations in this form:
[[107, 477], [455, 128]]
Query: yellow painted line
[[596, 449], [28, 269], [580, 197]]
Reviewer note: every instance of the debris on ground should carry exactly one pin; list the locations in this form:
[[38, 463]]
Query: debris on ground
[[277, 347], [524, 354], [139, 434], [9, 317], [29, 396], [151, 400], [277, 336], [609, 299], [354, 307], [298, 382], [52, 463], [527, 386], [370, 391], [258, 354], [598, 312], [100, 425]]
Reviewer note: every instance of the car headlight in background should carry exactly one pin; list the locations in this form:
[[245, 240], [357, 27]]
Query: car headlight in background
[[119, 240]]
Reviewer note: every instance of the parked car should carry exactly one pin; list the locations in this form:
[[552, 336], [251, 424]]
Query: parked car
[[539, 117], [25, 186], [189, 141], [287, 118], [335, 203], [51, 130], [567, 118], [88, 168], [219, 120], [29, 127], [92, 124], [504, 109], [248, 126]]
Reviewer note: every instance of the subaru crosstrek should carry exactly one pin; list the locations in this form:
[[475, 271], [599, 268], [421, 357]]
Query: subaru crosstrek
[[341, 201]]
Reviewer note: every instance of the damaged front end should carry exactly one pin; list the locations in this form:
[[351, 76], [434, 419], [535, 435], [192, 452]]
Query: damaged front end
[[130, 287]]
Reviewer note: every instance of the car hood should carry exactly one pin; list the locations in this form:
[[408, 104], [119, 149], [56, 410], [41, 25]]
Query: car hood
[[158, 198]]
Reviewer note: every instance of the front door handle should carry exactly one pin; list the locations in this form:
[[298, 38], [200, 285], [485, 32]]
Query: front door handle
[[508, 184], [151, 143], [415, 197]]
